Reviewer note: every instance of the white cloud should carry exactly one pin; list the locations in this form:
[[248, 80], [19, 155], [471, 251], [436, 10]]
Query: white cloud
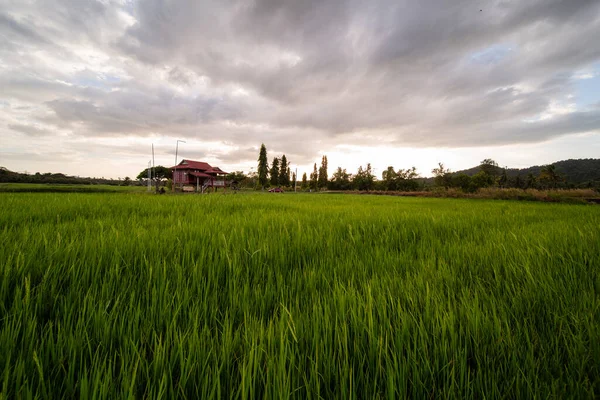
[[305, 78]]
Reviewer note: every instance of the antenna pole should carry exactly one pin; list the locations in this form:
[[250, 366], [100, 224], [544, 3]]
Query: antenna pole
[[149, 177], [153, 168], [175, 172]]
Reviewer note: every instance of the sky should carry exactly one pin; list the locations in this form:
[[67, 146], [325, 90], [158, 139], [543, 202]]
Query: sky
[[88, 86]]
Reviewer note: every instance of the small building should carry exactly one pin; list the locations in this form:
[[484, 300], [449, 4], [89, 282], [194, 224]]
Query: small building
[[198, 176]]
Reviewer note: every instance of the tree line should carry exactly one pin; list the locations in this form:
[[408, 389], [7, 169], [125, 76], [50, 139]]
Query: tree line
[[490, 174], [7, 176], [566, 174], [487, 174], [278, 175]]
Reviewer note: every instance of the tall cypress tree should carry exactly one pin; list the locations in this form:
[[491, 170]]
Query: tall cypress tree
[[304, 184], [323, 176], [314, 178], [284, 172], [263, 166], [275, 172]]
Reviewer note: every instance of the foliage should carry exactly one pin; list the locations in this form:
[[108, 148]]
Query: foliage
[[263, 167], [274, 172], [236, 178], [531, 181], [159, 172], [7, 176], [364, 178], [406, 179], [284, 172], [503, 179], [574, 173], [251, 180], [341, 180], [389, 179], [482, 180], [314, 178], [332, 296], [442, 176], [463, 181], [323, 175], [549, 176], [304, 184], [489, 167]]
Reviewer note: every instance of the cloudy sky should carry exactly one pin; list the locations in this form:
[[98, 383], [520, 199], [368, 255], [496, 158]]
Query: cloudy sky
[[87, 86]]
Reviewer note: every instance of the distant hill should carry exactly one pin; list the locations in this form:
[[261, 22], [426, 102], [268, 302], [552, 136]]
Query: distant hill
[[7, 176], [574, 171]]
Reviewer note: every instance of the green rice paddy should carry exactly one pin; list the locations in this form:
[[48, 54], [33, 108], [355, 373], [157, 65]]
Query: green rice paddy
[[130, 295]]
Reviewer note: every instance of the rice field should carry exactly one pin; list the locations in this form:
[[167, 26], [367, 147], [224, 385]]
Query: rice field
[[130, 295]]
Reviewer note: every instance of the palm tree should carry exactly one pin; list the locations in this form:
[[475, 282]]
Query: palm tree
[[550, 175]]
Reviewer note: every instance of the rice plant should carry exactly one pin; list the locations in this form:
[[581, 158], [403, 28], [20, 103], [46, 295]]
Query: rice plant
[[128, 295]]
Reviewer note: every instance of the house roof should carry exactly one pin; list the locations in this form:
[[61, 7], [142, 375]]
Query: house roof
[[190, 164], [200, 174], [199, 165], [218, 170]]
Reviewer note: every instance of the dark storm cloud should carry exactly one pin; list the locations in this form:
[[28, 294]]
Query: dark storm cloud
[[303, 76], [345, 66]]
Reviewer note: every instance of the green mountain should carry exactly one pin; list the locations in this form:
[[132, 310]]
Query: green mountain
[[577, 172]]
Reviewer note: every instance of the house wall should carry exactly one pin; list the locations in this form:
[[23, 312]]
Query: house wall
[[180, 176]]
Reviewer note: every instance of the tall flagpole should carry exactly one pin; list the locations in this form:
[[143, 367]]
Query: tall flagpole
[[149, 176], [154, 168]]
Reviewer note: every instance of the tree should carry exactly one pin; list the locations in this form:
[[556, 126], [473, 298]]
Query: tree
[[364, 178], [518, 181], [251, 180], [531, 181], [549, 176], [369, 177], [263, 166], [275, 172], [406, 179], [314, 178], [293, 183], [503, 180], [304, 184], [236, 178], [160, 173], [463, 181], [489, 167], [284, 172], [481, 180], [389, 178], [442, 176], [323, 176], [341, 180]]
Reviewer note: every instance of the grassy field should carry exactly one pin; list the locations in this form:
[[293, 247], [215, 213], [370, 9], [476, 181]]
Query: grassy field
[[297, 296], [65, 188]]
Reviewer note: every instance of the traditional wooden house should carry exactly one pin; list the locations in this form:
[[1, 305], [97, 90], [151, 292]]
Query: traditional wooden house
[[198, 176]]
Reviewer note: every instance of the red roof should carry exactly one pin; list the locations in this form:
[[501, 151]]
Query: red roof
[[218, 170], [200, 174], [199, 165], [189, 164]]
